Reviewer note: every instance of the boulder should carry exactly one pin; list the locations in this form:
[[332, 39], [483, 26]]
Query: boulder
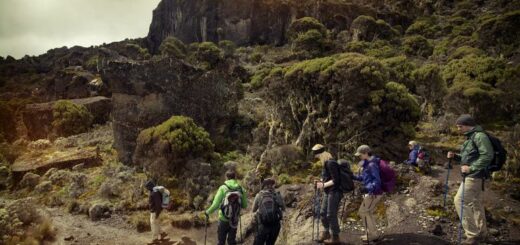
[[40, 144], [30, 180], [99, 211], [38, 117], [44, 187]]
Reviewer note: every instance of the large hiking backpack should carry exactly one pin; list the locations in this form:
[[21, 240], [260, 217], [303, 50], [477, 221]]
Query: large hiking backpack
[[423, 160], [346, 176], [165, 193], [231, 205], [499, 156], [268, 210], [387, 175]]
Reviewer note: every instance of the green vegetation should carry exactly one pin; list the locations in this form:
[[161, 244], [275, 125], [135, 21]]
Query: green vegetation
[[8, 125], [70, 119], [207, 54], [426, 27], [173, 47], [311, 42], [303, 25], [501, 32], [378, 48], [366, 28], [401, 69], [417, 45], [430, 85], [228, 47]]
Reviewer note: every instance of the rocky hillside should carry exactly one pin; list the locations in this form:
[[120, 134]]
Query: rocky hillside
[[252, 85]]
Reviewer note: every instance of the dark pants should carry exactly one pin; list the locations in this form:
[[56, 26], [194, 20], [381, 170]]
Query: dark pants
[[225, 230], [267, 234], [329, 211]]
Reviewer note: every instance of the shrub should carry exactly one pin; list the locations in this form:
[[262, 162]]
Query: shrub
[[70, 119], [304, 25], [171, 144], [310, 42], [366, 28], [228, 47], [256, 57], [258, 78], [378, 48], [417, 45], [401, 70], [426, 27], [430, 85], [464, 51], [137, 51], [174, 47], [501, 32], [208, 54]]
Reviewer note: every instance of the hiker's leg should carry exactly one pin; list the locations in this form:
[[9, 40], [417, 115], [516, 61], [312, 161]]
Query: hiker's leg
[[473, 220], [457, 200], [273, 234], [323, 212], [261, 235], [222, 232], [232, 236], [332, 211], [366, 211], [154, 225]]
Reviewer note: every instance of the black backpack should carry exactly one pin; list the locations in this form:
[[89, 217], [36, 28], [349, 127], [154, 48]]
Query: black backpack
[[268, 210], [346, 176], [499, 156]]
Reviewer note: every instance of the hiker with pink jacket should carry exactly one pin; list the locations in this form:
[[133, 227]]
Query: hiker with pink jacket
[[371, 189]]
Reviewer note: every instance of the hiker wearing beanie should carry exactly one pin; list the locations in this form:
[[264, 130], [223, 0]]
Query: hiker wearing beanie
[[475, 155], [268, 206], [155, 205], [330, 183], [371, 190]]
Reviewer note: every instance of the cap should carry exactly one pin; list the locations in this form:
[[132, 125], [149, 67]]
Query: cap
[[363, 149], [412, 143], [466, 120], [318, 148]]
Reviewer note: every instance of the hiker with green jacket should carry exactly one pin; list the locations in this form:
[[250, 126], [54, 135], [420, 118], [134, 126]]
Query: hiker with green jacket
[[230, 199], [475, 156]]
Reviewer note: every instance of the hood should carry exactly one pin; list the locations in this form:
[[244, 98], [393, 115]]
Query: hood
[[232, 183], [477, 128]]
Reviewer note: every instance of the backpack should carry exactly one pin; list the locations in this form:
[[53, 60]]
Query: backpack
[[231, 205], [268, 210], [387, 175], [346, 176], [423, 160], [499, 156], [165, 193]]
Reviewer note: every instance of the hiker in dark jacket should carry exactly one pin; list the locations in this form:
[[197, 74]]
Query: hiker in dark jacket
[[227, 229], [475, 156], [371, 179], [330, 183], [155, 205], [415, 148], [268, 230]]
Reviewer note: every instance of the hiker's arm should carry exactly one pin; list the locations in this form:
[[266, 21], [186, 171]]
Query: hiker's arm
[[256, 202], [244, 198], [485, 150], [374, 172], [334, 173], [279, 199], [413, 157], [216, 201]]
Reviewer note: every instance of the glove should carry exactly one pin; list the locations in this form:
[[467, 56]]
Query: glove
[[363, 190]]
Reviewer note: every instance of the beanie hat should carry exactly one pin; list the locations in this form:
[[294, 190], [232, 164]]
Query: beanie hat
[[466, 120]]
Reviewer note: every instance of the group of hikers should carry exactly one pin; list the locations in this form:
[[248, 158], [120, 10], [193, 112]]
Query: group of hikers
[[476, 155]]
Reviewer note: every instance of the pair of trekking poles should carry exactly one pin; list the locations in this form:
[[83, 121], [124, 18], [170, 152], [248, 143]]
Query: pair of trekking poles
[[206, 221], [461, 198]]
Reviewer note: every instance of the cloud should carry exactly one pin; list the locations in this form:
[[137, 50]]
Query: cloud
[[34, 26]]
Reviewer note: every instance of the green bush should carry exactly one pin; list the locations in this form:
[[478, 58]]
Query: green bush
[[430, 85], [378, 48], [426, 27], [401, 70], [256, 57], [173, 47], [259, 76], [366, 28], [417, 45], [171, 144], [304, 25], [70, 119], [228, 47], [501, 32], [310, 42], [208, 54], [137, 51], [464, 51]]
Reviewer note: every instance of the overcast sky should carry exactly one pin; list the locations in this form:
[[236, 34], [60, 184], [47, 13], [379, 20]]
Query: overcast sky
[[34, 26]]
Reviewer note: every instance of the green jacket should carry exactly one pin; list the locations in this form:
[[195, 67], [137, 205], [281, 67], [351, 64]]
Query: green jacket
[[476, 152], [219, 197]]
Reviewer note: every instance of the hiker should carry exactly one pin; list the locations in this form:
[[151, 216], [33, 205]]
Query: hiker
[[371, 190], [414, 148], [330, 183], [268, 206], [475, 156], [155, 205], [230, 198]]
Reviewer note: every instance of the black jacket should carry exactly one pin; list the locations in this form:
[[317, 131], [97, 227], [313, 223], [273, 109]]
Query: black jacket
[[331, 172], [155, 202]]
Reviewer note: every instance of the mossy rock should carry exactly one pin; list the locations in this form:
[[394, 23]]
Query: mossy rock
[[70, 119], [417, 45]]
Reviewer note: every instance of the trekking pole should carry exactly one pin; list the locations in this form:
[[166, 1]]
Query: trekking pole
[[206, 229], [240, 225], [447, 178], [462, 206], [343, 212], [314, 208], [319, 215]]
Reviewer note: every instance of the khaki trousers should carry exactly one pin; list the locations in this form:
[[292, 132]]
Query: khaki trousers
[[366, 212], [155, 225], [474, 220]]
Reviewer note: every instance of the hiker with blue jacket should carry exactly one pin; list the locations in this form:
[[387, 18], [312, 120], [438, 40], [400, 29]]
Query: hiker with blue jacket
[[475, 156], [155, 205], [230, 199], [371, 190], [330, 183], [414, 148]]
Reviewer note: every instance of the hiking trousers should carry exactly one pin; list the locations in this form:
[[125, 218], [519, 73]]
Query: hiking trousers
[[155, 226], [267, 234], [226, 231], [474, 220], [329, 211], [366, 212]]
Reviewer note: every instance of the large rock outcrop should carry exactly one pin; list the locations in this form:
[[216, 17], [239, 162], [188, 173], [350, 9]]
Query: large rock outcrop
[[146, 94], [250, 21]]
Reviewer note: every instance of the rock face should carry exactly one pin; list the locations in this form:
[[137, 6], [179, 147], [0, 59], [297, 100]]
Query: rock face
[[38, 117], [249, 21], [146, 94]]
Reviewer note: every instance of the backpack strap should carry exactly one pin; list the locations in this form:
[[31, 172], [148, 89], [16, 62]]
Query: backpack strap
[[233, 189]]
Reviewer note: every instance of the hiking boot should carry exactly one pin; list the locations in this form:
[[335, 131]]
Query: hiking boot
[[372, 238], [333, 240], [470, 241], [324, 236]]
